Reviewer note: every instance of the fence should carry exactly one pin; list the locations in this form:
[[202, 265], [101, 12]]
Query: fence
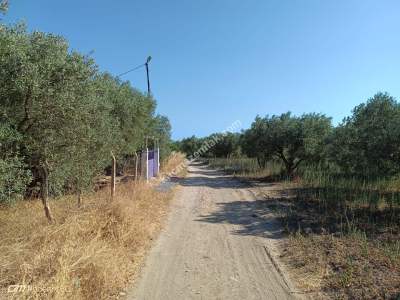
[[145, 165]]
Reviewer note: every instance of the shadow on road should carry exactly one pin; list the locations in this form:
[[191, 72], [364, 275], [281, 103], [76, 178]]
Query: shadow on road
[[205, 177], [254, 218], [212, 182]]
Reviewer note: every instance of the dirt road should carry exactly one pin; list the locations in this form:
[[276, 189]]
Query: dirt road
[[214, 245]]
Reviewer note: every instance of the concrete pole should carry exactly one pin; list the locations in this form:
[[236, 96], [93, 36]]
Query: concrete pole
[[113, 174], [147, 164], [158, 156]]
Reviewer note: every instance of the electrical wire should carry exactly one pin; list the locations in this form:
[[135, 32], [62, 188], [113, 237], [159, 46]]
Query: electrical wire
[[138, 67]]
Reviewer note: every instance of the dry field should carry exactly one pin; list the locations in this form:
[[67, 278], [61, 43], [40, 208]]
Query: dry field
[[331, 256], [91, 252]]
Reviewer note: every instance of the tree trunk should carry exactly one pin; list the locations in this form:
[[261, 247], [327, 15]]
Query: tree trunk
[[289, 168], [45, 194], [259, 162], [136, 167], [262, 162]]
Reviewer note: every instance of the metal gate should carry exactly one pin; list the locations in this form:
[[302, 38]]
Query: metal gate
[[150, 163]]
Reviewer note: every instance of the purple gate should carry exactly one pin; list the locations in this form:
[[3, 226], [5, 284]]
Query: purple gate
[[150, 162]]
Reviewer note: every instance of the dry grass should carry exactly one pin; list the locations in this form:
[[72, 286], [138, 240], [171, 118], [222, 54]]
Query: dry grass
[[175, 164], [354, 257], [88, 253], [247, 168], [346, 267]]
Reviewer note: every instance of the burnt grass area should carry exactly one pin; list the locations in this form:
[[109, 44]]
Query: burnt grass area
[[340, 250]]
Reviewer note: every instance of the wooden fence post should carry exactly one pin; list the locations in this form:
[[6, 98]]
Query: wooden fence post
[[113, 173], [79, 198], [45, 192], [136, 167]]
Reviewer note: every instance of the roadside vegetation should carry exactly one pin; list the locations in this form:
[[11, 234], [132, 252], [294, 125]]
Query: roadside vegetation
[[61, 122], [245, 167], [343, 209], [93, 252], [62, 119]]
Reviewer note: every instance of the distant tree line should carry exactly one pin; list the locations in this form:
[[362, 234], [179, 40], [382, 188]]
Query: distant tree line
[[366, 144], [60, 117]]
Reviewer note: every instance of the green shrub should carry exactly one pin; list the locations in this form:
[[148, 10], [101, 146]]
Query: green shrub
[[14, 177]]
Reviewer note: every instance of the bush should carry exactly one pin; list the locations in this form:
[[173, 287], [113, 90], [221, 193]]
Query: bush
[[14, 177], [367, 143]]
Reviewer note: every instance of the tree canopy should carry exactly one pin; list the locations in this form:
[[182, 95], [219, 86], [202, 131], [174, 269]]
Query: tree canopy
[[287, 138], [3, 6], [368, 142], [64, 116], [365, 144]]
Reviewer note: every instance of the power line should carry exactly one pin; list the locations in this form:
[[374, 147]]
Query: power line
[[142, 65], [146, 64]]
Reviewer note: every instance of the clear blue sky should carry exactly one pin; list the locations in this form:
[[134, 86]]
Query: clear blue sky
[[217, 61]]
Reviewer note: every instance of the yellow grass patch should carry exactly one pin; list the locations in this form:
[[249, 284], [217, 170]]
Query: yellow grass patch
[[91, 252]]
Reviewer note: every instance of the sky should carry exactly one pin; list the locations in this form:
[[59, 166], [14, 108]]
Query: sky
[[215, 62]]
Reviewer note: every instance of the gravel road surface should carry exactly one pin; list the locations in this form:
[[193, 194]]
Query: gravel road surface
[[214, 246]]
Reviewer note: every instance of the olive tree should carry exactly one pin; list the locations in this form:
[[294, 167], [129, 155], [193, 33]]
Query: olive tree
[[290, 139], [190, 145], [161, 131], [368, 142], [63, 116], [47, 94], [226, 144]]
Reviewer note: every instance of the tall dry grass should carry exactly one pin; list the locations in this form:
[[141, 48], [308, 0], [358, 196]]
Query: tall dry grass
[[88, 253], [245, 167], [174, 164]]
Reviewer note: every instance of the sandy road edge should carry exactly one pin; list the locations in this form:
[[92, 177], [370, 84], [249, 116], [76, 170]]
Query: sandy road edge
[[141, 263], [274, 247]]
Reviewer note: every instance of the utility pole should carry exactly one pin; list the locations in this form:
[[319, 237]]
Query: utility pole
[[146, 64], [147, 72]]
